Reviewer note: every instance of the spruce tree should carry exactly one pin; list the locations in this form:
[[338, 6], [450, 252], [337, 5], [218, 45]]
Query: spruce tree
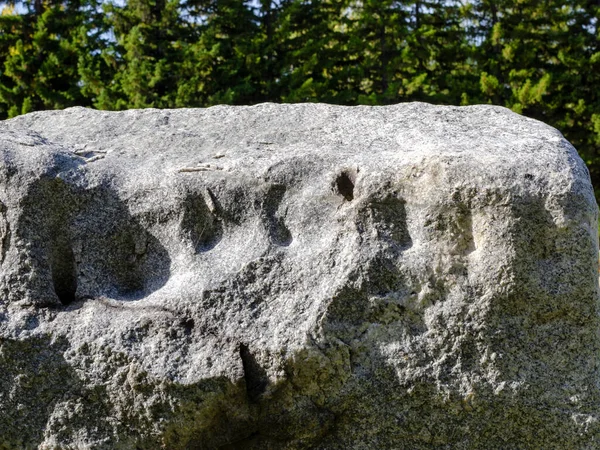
[[41, 44], [379, 30], [435, 64], [221, 62], [142, 59], [312, 43]]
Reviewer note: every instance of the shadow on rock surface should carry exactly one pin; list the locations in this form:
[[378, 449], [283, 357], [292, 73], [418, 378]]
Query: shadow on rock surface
[[85, 243], [43, 377], [42, 395]]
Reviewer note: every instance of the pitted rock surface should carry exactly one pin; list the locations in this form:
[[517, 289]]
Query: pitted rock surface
[[296, 277]]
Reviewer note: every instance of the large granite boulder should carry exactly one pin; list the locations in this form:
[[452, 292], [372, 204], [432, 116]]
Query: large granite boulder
[[295, 277]]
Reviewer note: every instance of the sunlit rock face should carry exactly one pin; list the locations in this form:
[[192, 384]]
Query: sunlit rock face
[[296, 277]]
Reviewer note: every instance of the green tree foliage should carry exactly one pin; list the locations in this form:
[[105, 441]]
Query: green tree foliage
[[411, 50], [312, 50], [540, 58], [41, 47], [139, 68], [221, 58], [380, 30]]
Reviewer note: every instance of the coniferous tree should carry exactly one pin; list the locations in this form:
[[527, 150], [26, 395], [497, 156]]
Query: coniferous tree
[[411, 50], [267, 16], [143, 59], [221, 62], [12, 29], [379, 32], [435, 61], [41, 43], [312, 39], [516, 51], [573, 105]]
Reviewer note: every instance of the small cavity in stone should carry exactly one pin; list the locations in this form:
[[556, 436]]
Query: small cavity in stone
[[345, 186], [64, 272]]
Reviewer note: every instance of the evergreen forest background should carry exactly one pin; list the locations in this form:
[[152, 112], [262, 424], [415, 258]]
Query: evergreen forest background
[[540, 58]]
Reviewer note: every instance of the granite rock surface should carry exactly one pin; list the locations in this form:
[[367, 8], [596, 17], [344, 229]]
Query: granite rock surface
[[296, 277]]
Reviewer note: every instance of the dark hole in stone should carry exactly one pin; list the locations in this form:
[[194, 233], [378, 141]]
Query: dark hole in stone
[[64, 271], [188, 325], [345, 186], [4, 233], [254, 375]]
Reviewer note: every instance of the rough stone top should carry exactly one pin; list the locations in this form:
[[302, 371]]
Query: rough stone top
[[254, 137], [146, 147]]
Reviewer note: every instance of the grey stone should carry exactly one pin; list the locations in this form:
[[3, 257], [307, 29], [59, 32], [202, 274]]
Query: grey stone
[[296, 276]]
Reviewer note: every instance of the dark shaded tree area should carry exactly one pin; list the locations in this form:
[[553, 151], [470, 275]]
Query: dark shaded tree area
[[540, 58]]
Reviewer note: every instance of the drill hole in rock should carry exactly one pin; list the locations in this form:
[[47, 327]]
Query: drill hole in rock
[[64, 272], [344, 184]]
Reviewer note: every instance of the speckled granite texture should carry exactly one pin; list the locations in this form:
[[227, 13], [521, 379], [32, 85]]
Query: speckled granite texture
[[296, 277]]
